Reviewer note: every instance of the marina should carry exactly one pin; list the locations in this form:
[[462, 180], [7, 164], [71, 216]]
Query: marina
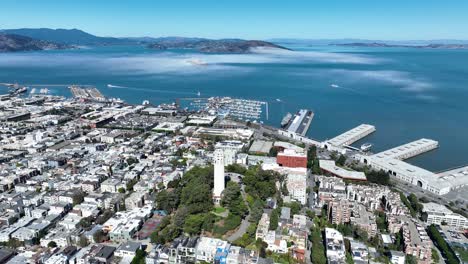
[[234, 107], [15, 88]]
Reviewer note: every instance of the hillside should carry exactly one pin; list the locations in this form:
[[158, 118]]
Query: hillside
[[65, 36], [385, 45], [11, 42], [79, 37], [211, 46]]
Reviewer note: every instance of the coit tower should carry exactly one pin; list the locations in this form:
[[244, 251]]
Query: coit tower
[[218, 159]]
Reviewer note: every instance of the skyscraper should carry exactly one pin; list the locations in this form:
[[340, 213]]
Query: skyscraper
[[218, 160]]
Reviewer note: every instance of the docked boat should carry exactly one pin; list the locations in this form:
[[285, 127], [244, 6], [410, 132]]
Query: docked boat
[[366, 147], [19, 90], [286, 119]]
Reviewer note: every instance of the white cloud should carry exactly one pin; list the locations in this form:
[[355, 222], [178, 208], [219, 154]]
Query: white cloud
[[401, 79], [315, 56], [176, 63]]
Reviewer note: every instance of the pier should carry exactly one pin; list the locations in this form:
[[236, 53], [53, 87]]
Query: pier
[[409, 150], [351, 136], [90, 93], [301, 122]]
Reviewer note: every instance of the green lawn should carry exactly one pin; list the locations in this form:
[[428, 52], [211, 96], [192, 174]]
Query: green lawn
[[219, 210]]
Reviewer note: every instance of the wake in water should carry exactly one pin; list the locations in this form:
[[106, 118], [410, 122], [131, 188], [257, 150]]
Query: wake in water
[[115, 86], [151, 90]]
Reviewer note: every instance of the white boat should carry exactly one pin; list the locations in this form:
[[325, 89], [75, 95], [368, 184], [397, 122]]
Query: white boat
[[286, 119], [366, 146], [335, 85], [44, 91]]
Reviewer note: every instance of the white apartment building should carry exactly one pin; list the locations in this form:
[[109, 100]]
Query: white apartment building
[[335, 246], [438, 214], [110, 185], [297, 187]]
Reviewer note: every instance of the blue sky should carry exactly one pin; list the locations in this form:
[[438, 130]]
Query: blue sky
[[254, 19]]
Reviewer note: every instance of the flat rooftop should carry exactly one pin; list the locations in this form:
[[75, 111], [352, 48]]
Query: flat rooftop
[[403, 168], [301, 122], [409, 150], [330, 166], [261, 146], [436, 208], [353, 135], [456, 177], [452, 179]]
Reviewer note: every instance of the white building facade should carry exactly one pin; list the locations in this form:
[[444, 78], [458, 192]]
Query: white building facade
[[218, 160]]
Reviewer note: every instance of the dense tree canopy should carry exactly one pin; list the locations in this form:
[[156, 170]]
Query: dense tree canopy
[[295, 207], [260, 183], [191, 199], [318, 250], [193, 224], [442, 245], [379, 177], [341, 160], [274, 218], [236, 168], [167, 200], [232, 199]]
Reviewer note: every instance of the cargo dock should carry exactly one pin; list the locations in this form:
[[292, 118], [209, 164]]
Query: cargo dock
[[409, 150], [351, 136], [300, 123]]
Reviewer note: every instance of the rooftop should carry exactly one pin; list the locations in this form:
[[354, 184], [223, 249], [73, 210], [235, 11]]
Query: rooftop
[[408, 150], [331, 167], [261, 146], [351, 136]]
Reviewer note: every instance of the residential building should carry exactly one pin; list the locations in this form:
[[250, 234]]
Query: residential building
[[339, 211], [334, 246], [208, 247], [397, 257], [440, 215], [297, 187], [417, 242]]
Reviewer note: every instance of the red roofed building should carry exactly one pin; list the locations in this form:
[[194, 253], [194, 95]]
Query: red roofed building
[[292, 159]]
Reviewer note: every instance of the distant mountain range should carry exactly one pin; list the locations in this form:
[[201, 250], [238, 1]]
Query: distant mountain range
[[66, 36], [385, 45], [76, 37], [12, 42], [26, 39], [212, 46], [367, 41]]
